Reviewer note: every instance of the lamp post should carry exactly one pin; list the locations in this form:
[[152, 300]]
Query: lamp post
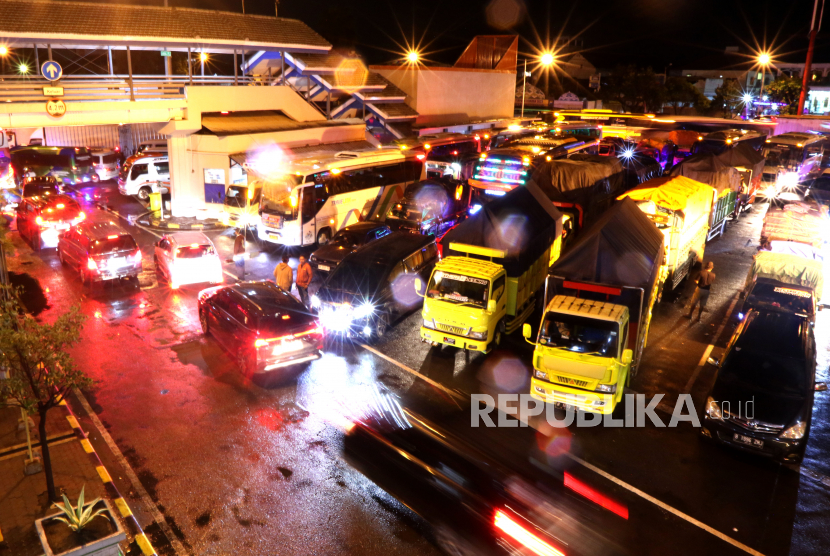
[[763, 61], [546, 59], [203, 58], [3, 53]]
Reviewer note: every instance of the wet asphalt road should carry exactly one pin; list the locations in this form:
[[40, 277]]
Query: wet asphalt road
[[234, 467]]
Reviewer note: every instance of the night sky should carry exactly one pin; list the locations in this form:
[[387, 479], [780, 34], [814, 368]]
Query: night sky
[[684, 33]]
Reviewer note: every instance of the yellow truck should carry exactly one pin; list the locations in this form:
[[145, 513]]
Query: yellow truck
[[680, 208], [600, 295], [493, 267]]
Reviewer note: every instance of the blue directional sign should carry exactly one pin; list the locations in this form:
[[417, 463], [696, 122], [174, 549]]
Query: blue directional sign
[[51, 70]]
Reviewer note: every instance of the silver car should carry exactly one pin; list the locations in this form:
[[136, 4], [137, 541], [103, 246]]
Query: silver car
[[187, 258]]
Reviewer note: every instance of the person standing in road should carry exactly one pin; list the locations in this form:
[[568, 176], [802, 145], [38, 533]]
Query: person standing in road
[[239, 254], [304, 276], [701, 295], [284, 275]]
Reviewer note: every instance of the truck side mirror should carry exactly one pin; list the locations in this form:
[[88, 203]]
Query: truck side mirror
[[712, 361], [627, 356], [526, 331], [491, 306], [419, 286]]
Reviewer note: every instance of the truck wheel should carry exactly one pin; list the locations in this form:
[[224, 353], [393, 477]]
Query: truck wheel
[[203, 321], [381, 326], [497, 336], [323, 236], [144, 193]]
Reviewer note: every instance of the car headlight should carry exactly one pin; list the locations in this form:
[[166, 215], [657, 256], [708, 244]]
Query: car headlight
[[713, 409], [364, 310], [478, 335], [540, 374], [608, 388], [795, 432], [429, 323], [315, 301]]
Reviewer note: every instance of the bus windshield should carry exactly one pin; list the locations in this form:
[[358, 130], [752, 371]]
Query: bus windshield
[[458, 289], [579, 334], [782, 155]]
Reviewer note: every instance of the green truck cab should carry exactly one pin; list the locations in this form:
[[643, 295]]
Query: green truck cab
[[491, 275], [600, 293]]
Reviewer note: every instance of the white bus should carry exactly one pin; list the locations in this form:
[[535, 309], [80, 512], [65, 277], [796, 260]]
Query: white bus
[[322, 195]]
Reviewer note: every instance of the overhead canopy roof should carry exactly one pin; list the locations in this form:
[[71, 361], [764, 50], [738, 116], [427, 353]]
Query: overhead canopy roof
[[89, 25], [258, 121]]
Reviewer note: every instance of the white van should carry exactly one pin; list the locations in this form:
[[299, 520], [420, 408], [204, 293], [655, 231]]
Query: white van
[[145, 175], [156, 145], [105, 162]]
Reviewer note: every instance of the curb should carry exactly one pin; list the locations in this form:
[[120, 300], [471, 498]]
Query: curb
[[167, 225], [132, 523]]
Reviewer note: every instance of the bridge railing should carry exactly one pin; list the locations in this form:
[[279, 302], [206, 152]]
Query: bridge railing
[[16, 88]]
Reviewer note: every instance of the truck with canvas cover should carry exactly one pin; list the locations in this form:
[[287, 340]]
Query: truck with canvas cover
[[790, 282], [599, 297], [709, 169], [750, 166], [636, 168], [680, 209], [799, 222], [582, 190], [494, 266], [430, 207]]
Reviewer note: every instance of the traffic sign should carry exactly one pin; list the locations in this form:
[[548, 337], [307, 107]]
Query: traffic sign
[[53, 91], [56, 108], [51, 70], [166, 53]]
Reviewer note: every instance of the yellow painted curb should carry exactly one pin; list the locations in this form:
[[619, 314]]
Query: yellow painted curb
[[104, 474], [87, 446], [73, 422], [145, 545], [171, 225], [123, 507]]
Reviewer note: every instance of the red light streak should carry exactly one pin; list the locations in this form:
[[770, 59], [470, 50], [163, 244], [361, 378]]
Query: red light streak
[[595, 496], [523, 536]]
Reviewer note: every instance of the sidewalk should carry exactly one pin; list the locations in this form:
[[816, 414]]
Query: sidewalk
[[23, 498]]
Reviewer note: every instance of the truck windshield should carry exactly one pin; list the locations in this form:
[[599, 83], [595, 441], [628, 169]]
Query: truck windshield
[[774, 297], [405, 211], [579, 334], [458, 289]]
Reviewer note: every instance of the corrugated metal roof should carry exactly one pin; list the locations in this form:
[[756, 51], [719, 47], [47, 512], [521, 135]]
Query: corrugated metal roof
[[258, 121], [121, 23]]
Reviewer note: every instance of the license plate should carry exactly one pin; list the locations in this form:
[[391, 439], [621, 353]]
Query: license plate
[[274, 237], [324, 267], [62, 226], [565, 406], [117, 261], [749, 441], [450, 341]]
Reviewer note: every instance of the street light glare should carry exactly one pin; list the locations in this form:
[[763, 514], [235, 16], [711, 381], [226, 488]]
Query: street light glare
[[547, 59], [203, 56], [3, 50], [763, 59], [747, 98], [23, 68], [412, 57]]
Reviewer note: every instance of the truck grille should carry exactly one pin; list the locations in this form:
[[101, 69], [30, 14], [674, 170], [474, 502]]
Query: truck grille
[[572, 382], [451, 329], [753, 425]]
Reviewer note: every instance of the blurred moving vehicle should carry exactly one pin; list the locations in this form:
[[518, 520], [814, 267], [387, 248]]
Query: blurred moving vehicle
[[375, 286], [600, 296], [352, 237], [41, 219], [69, 165], [718, 142], [267, 330], [792, 157], [7, 179], [483, 490], [762, 399], [144, 175], [187, 258], [430, 207], [493, 268], [106, 164], [100, 251]]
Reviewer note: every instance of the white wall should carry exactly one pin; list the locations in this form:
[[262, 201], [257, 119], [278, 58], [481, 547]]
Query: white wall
[[454, 94]]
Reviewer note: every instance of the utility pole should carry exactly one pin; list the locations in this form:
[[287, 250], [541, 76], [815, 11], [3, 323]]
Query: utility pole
[[807, 70]]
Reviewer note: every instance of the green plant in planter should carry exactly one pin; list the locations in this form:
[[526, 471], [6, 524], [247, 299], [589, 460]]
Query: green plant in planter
[[77, 518]]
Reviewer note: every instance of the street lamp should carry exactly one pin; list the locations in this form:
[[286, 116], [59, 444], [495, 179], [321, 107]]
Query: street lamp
[[23, 68], [763, 61], [546, 59], [412, 57], [747, 101], [3, 53], [203, 58]]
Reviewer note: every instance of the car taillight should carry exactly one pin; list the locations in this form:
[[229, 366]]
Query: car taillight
[[90, 264], [260, 343], [527, 539], [137, 256], [39, 220]]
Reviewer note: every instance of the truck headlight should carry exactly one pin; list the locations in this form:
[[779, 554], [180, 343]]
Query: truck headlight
[[429, 323], [478, 335], [713, 409], [607, 388], [795, 432], [540, 374], [315, 301]]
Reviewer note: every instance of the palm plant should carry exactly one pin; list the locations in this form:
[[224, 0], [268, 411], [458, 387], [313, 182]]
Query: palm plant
[[77, 517]]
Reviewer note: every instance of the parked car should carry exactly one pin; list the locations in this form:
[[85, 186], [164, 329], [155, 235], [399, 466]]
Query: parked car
[[105, 162], [144, 175], [100, 251], [328, 256], [153, 145], [41, 219], [374, 286], [187, 258], [762, 399], [267, 330]]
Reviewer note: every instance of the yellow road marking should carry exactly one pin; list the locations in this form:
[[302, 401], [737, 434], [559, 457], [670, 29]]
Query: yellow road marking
[[145, 545], [104, 474], [73, 422], [87, 446], [123, 507]]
